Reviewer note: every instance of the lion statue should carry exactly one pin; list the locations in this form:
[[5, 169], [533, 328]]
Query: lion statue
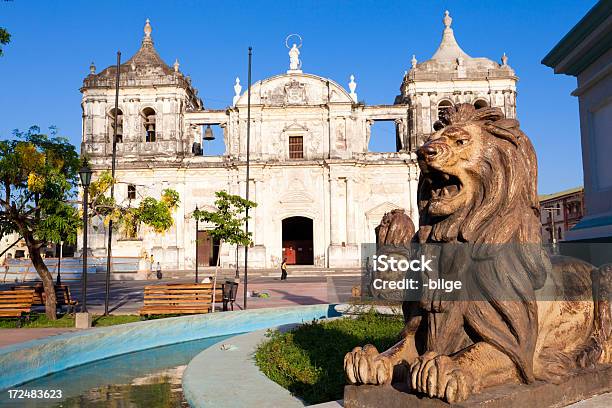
[[478, 191]]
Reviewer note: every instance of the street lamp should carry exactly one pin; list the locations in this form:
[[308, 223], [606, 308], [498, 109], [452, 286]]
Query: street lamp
[[85, 175], [551, 213], [59, 264], [196, 241]]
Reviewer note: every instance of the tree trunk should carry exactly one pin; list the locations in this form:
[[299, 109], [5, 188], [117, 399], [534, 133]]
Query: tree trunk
[[47, 279]]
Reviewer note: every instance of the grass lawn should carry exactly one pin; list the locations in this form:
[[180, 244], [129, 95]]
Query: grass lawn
[[66, 320], [308, 361]]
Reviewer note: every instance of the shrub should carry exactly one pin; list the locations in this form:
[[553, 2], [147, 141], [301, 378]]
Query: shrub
[[308, 361]]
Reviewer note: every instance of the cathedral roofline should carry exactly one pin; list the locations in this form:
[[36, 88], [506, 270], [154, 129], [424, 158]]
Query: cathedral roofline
[[294, 75], [451, 63], [144, 68]]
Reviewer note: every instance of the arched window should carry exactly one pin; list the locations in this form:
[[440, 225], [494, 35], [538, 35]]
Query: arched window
[[480, 103], [131, 192], [443, 107], [148, 122], [111, 127]]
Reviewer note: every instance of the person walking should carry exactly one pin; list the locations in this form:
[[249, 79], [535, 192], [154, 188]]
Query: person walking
[[284, 269]]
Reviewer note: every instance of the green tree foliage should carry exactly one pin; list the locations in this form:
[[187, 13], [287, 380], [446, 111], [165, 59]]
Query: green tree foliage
[[154, 213], [5, 38], [229, 221], [38, 173], [229, 218]]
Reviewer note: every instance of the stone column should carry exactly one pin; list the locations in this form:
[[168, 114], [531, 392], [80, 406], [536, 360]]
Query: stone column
[[350, 212], [333, 211], [256, 213]]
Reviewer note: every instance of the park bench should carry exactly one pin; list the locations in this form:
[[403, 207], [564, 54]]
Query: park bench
[[190, 298], [62, 296], [16, 303]]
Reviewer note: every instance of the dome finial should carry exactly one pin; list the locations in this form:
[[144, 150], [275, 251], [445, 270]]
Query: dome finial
[[447, 20], [92, 68], [148, 29], [176, 65]]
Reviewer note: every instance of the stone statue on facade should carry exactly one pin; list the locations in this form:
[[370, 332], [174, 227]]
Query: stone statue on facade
[[540, 318], [294, 58], [237, 90], [352, 87]]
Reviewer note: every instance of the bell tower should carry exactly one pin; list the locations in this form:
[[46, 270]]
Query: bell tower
[[449, 77], [153, 98]]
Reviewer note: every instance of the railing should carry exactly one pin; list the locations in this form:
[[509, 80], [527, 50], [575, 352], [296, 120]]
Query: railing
[[22, 270], [449, 76]]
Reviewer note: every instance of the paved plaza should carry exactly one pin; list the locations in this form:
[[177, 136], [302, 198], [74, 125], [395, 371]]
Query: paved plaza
[[126, 297]]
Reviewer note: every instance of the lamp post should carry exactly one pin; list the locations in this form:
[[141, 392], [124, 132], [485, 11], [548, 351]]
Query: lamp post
[[551, 211], [59, 264], [85, 175], [248, 148], [196, 241], [109, 248]]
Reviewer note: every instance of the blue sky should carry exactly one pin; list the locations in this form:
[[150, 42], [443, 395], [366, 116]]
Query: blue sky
[[54, 42]]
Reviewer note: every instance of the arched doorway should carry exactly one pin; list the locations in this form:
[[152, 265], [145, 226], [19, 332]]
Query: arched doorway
[[297, 241]]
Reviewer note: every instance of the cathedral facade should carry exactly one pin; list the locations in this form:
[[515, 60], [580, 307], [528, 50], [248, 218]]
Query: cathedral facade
[[319, 192]]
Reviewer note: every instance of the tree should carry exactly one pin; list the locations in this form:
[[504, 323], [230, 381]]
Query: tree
[[151, 212], [229, 221], [5, 38], [38, 173]]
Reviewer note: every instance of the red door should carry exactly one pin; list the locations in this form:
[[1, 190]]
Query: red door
[[289, 253]]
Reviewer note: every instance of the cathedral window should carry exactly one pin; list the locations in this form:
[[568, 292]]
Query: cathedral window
[[443, 107], [131, 192], [111, 127], [480, 103], [296, 147], [148, 116]]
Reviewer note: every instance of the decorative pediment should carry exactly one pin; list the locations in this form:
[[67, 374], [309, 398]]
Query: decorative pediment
[[297, 194], [295, 126], [375, 214], [296, 197]]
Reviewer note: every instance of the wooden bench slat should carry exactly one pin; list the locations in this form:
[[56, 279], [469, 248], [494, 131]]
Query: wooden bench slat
[[15, 303], [180, 298], [62, 294]]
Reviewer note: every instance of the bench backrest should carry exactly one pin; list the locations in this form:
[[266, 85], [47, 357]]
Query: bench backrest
[[16, 299], [62, 294], [179, 294]]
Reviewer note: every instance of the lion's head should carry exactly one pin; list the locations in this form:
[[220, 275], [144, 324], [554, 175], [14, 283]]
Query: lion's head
[[478, 180]]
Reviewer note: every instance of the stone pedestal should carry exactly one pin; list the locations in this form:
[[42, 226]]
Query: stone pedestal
[[82, 320], [577, 387]]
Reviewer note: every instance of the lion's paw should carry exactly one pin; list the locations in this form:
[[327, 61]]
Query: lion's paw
[[440, 377], [366, 366]]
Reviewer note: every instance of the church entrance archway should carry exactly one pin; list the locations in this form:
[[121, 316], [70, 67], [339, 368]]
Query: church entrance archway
[[297, 241]]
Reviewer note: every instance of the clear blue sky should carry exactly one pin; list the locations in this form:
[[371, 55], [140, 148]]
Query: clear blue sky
[[54, 42]]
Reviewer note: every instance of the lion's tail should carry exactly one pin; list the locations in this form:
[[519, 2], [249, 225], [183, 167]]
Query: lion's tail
[[599, 348]]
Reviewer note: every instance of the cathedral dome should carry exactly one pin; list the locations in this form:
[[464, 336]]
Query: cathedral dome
[[450, 59], [144, 67]]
